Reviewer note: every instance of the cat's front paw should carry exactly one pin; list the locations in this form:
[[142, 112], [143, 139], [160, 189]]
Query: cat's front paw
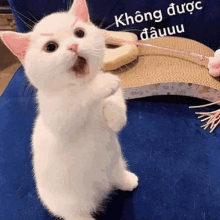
[[214, 64], [114, 116], [105, 85]]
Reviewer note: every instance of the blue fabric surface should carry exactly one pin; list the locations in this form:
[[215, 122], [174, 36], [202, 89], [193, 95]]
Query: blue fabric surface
[[177, 162]]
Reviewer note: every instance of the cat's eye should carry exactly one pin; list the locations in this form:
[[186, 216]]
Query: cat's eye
[[79, 32], [51, 47]]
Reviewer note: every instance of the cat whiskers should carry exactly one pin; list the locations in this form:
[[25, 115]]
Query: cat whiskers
[[103, 20], [112, 25], [28, 25], [61, 10], [94, 52], [94, 49], [33, 17], [69, 4], [125, 30]]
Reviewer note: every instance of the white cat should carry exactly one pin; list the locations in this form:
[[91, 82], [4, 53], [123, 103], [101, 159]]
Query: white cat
[[77, 158]]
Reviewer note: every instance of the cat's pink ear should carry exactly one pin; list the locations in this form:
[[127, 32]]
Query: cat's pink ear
[[80, 10], [17, 43]]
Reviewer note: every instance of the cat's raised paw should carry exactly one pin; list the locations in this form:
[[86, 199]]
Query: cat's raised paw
[[106, 85], [114, 116]]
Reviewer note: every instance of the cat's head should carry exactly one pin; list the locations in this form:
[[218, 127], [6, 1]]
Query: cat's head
[[64, 49]]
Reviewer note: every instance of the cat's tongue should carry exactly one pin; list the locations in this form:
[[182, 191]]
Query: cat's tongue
[[80, 67]]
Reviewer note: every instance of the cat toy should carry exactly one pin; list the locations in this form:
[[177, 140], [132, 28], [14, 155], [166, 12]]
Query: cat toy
[[153, 67]]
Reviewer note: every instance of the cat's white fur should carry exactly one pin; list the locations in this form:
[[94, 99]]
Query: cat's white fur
[[77, 158]]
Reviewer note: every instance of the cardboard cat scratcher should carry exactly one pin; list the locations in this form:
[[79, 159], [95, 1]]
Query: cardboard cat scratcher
[[165, 66]]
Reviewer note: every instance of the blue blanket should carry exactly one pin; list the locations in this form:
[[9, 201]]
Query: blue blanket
[[177, 162]]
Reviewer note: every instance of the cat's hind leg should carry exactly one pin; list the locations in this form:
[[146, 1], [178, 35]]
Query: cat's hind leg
[[79, 211], [67, 207], [76, 215]]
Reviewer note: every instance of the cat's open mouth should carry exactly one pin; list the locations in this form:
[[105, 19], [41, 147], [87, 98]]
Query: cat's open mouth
[[80, 67]]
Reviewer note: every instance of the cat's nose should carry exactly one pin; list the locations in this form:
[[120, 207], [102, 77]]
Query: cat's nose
[[73, 47]]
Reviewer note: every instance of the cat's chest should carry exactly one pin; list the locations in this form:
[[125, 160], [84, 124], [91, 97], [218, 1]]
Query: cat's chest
[[57, 105], [71, 115], [61, 105]]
